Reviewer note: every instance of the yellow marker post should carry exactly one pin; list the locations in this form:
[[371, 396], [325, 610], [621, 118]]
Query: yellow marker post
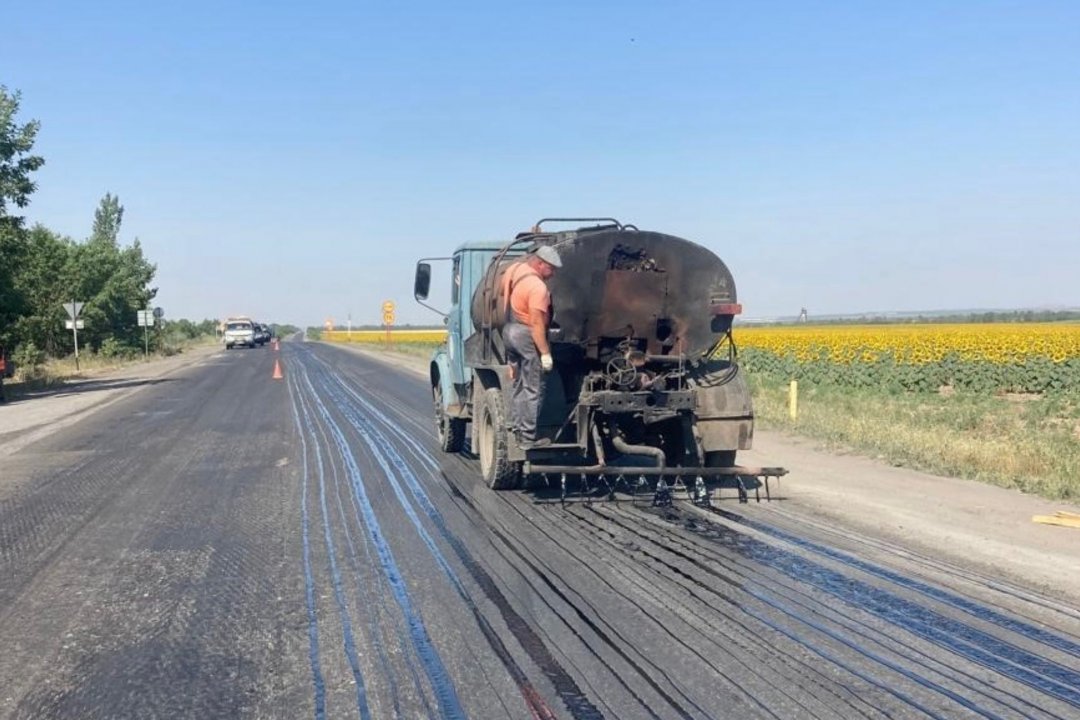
[[793, 400]]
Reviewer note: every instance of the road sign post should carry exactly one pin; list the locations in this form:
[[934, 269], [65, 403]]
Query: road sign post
[[73, 309], [146, 319], [388, 318]]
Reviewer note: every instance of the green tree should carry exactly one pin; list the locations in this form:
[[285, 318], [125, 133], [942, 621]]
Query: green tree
[[108, 218], [44, 281], [114, 281], [16, 186]]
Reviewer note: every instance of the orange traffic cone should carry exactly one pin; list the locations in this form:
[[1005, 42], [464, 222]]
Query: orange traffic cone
[[277, 370]]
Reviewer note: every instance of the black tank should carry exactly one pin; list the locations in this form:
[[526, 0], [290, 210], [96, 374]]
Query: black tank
[[665, 293]]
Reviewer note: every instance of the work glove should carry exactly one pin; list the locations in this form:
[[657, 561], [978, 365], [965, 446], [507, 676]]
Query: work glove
[[546, 362]]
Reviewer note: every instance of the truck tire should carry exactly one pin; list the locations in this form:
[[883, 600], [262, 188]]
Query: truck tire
[[451, 430], [492, 437]]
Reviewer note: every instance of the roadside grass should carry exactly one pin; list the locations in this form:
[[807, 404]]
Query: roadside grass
[[1029, 442], [423, 350], [57, 371]]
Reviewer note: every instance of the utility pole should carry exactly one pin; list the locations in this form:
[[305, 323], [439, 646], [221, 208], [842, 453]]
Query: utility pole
[[75, 332]]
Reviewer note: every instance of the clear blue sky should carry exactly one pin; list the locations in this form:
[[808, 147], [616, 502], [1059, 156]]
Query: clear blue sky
[[292, 160]]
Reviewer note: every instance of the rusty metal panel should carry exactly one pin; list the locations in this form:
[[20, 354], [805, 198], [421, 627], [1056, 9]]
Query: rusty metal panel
[[632, 302]]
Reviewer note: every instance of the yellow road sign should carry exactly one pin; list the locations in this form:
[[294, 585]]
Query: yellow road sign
[[388, 318], [388, 307]]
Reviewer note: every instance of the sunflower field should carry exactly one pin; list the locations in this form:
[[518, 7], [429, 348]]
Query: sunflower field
[[432, 336], [1005, 357]]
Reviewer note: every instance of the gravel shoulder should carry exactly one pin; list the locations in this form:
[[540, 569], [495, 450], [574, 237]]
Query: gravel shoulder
[[964, 521], [41, 413]]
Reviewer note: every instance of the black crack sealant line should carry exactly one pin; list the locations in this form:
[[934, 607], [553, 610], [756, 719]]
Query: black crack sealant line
[[309, 580], [978, 646], [763, 655], [992, 582], [394, 466], [445, 692], [437, 518], [941, 595], [783, 607], [974, 681], [335, 578], [803, 613], [566, 688], [500, 599]]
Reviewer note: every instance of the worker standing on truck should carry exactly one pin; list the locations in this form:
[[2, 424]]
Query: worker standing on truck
[[527, 304]]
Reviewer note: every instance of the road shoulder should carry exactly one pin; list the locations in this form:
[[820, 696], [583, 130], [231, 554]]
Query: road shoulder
[[964, 521], [39, 414]]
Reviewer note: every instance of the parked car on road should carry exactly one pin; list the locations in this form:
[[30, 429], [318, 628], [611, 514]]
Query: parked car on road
[[239, 331]]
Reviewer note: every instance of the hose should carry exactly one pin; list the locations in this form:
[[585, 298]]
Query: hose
[[627, 449]]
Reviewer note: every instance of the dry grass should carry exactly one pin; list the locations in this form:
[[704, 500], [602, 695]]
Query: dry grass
[[56, 371], [1029, 444]]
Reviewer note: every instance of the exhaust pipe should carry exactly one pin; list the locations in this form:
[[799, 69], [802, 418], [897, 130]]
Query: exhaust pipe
[[647, 450]]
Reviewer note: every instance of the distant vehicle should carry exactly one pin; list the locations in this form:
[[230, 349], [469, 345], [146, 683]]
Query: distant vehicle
[[239, 331], [261, 336]]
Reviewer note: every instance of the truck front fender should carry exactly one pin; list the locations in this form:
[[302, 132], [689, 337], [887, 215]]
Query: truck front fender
[[440, 377]]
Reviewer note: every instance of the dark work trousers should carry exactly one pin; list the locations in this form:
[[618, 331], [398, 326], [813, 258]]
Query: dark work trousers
[[528, 379]]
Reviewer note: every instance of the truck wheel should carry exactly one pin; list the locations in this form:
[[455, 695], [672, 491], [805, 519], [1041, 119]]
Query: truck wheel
[[495, 466], [451, 430]]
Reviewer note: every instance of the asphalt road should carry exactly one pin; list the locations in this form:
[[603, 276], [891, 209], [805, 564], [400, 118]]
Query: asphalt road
[[222, 544]]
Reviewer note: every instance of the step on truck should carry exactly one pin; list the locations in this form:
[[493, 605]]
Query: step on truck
[[646, 385]]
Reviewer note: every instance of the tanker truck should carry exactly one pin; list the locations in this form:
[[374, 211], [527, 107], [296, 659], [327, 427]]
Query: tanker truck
[[646, 381]]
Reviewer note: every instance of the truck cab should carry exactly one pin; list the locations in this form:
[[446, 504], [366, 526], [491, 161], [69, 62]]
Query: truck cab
[[451, 376]]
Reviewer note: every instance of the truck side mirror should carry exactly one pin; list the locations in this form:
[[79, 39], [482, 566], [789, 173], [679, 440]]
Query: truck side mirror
[[422, 283]]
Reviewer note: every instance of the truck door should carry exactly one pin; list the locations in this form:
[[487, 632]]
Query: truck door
[[455, 341]]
